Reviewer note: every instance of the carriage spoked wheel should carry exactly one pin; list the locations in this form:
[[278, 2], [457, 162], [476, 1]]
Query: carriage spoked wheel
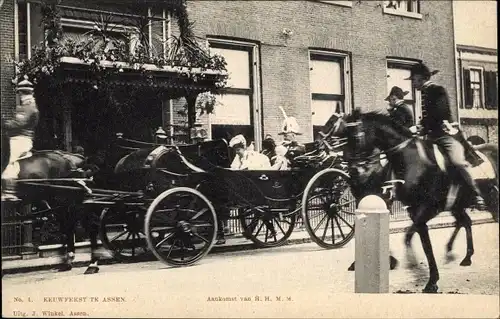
[[268, 227], [328, 209], [181, 226], [121, 232]]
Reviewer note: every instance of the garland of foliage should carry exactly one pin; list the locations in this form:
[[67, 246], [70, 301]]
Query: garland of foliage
[[43, 68]]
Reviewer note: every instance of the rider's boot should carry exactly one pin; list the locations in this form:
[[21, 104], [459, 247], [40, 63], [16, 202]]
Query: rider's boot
[[478, 201]]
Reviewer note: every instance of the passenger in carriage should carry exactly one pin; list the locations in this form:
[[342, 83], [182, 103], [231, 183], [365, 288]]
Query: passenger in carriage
[[21, 130], [246, 159], [290, 147], [269, 147]]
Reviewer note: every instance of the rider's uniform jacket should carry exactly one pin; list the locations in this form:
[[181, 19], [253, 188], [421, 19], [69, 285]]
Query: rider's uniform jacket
[[25, 120], [402, 114], [435, 109]]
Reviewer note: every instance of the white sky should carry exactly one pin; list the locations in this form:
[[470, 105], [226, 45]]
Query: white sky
[[476, 23]]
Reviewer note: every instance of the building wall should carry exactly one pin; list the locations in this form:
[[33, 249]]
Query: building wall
[[363, 30], [476, 27], [7, 70]]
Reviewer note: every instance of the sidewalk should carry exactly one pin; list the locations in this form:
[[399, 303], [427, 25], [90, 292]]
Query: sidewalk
[[234, 243]]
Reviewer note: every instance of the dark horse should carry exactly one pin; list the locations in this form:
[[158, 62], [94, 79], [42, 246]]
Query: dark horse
[[370, 176], [42, 165], [426, 189]]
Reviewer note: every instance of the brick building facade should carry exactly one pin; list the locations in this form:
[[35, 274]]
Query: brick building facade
[[310, 57], [477, 65]]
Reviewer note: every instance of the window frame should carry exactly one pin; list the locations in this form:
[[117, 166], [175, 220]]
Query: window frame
[[409, 14], [17, 44], [89, 25], [254, 83], [343, 58], [401, 63], [482, 101]]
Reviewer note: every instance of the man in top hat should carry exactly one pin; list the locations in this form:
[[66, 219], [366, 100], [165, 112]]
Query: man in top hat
[[398, 110], [245, 158], [21, 129], [436, 117]]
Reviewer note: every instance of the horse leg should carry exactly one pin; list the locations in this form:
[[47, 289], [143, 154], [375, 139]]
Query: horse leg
[[431, 286], [68, 227], [449, 246], [92, 228], [410, 254], [467, 223]]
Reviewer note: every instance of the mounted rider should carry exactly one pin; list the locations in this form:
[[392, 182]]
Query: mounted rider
[[21, 130], [398, 110], [436, 117]]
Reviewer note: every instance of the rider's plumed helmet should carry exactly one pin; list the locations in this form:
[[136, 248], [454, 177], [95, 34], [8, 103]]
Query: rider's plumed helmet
[[289, 124]]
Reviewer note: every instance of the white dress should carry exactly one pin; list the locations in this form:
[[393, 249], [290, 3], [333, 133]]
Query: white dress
[[251, 160]]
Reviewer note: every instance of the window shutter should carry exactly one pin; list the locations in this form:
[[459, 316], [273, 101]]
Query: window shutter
[[467, 89], [490, 88]]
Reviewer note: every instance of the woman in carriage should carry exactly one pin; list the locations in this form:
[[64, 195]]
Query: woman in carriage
[[245, 158]]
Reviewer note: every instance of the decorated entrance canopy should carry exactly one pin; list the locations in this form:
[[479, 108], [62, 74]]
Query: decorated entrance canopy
[[101, 60]]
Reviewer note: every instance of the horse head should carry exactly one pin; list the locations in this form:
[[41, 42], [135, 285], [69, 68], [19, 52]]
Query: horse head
[[367, 131]]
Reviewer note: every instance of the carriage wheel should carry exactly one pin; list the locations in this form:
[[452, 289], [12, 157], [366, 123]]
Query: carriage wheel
[[122, 234], [180, 226], [328, 209], [267, 228]]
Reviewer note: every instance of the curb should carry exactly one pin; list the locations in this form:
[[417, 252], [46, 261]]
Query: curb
[[215, 250]]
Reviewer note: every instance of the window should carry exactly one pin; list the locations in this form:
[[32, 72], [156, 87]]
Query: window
[[408, 8], [22, 30], [491, 89], [397, 72], [328, 86], [78, 30], [480, 88], [234, 112]]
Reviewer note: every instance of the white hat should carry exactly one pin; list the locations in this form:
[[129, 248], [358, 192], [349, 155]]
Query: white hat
[[238, 139], [289, 125], [25, 86]]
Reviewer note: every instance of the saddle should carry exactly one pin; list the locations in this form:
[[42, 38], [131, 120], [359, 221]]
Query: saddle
[[481, 167]]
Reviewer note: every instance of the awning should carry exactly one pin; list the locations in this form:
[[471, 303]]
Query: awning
[[175, 81]]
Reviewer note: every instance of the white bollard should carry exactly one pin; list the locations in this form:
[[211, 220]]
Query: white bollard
[[372, 246]]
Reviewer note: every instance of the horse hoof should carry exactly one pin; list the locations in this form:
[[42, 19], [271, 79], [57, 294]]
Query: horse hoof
[[393, 263], [91, 270], [450, 257], [65, 267], [466, 262], [351, 268], [430, 289]]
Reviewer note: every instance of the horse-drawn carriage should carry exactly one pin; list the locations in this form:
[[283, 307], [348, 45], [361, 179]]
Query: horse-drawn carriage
[[170, 200]]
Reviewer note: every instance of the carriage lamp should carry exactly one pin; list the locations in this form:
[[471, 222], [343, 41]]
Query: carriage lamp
[[119, 135], [160, 136]]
